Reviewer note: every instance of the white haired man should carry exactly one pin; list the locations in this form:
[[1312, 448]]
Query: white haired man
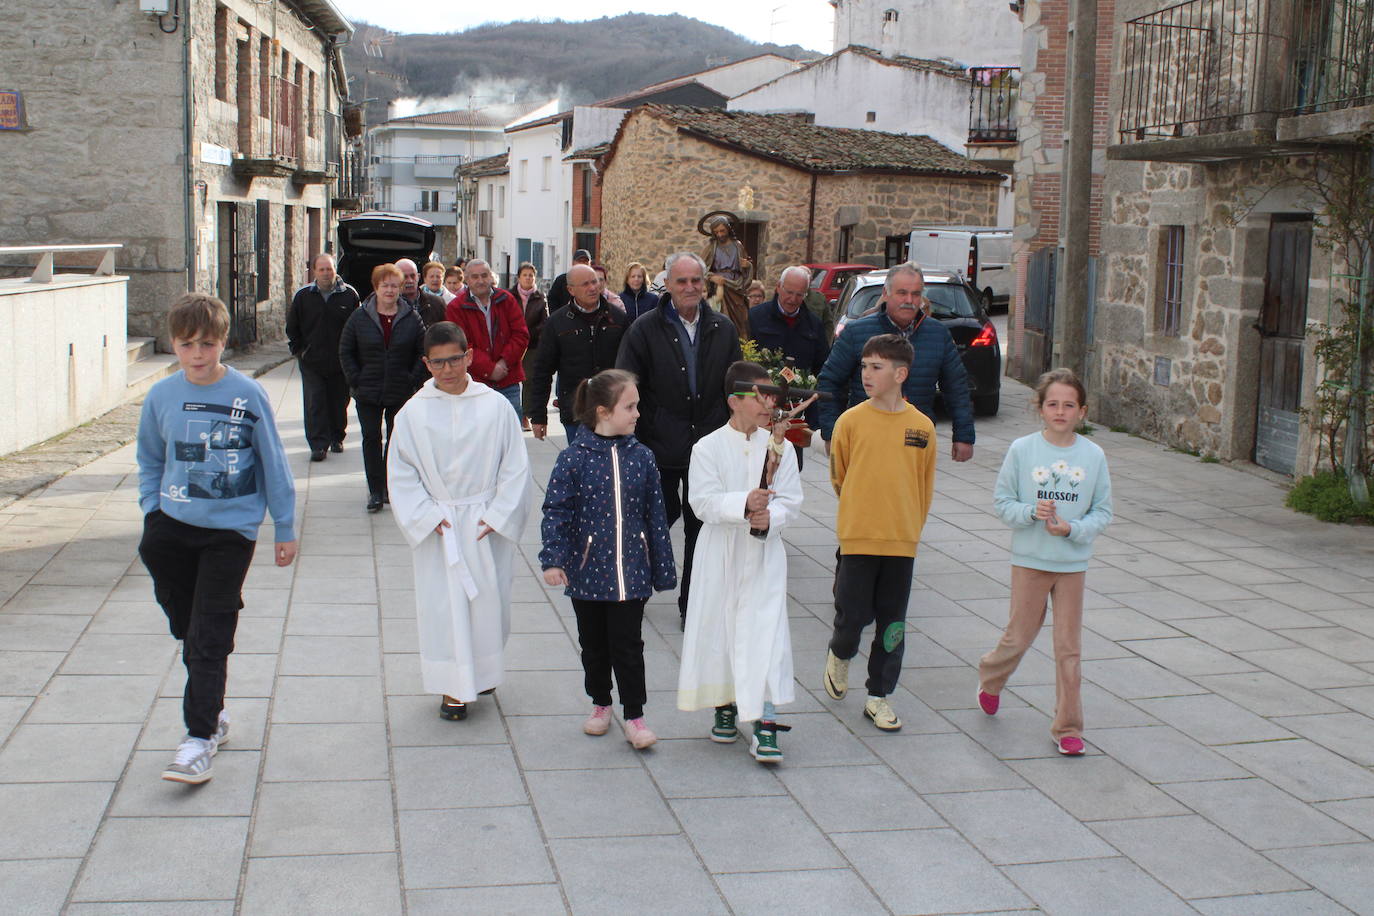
[[680, 352]]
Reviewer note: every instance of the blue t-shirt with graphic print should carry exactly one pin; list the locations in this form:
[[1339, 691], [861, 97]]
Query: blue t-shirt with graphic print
[[1076, 478]]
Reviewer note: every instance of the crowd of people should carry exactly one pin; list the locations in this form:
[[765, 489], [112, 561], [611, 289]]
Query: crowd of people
[[663, 419]]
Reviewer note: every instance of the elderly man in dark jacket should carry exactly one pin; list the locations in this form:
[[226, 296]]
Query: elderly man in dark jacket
[[937, 360], [576, 342], [314, 322], [680, 352], [785, 325], [428, 306]]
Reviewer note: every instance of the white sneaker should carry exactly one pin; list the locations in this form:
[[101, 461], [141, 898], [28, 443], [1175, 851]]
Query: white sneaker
[[221, 736], [192, 762]]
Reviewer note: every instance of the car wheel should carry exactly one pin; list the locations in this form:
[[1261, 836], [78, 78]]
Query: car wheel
[[986, 405], [987, 300]]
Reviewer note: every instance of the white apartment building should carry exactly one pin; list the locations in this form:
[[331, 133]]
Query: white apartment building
[[413, 162]]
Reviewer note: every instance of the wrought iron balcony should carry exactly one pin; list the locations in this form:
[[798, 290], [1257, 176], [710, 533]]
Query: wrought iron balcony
[[1333, 56], [1221, 79], [992, 104], [1198, 67]]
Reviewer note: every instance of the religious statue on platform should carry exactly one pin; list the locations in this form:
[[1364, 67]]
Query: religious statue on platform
[[728, 268]]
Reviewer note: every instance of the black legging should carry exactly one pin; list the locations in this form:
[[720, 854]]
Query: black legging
[[370, 418]]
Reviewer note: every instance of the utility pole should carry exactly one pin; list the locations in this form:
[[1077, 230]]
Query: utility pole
[[1071, 299]]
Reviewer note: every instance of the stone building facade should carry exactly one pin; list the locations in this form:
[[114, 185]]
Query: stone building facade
[[804, 193], [1211, 266], [206, 142]]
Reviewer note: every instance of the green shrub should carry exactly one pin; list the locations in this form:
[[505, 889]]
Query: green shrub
[[1326, 495]]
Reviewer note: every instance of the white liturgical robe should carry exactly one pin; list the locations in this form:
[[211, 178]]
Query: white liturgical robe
[[461, 459], [737, 647]]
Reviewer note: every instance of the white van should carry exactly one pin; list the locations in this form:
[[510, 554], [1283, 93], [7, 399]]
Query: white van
[[980, 254]]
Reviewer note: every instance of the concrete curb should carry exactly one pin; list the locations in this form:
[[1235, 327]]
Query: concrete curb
[[39, 465]]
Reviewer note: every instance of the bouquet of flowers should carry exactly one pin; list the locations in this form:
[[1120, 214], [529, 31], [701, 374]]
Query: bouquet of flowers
[[783, 371]]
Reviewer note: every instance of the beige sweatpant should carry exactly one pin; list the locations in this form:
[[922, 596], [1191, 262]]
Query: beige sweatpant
[[1029, 590]]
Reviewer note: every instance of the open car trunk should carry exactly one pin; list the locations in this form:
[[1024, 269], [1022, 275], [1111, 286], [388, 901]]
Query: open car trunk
[[376, 238]]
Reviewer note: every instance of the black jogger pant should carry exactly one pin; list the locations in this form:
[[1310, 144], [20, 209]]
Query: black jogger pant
[[675, 497], [198, 578], [609, 632], [872, 589], [370, 418], [325, 396]]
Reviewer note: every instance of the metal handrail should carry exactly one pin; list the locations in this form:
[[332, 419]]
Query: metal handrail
[[1333, 57], [42, 273], [992, 104]]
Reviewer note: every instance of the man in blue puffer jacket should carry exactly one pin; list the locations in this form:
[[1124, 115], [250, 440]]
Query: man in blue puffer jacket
[[937, 361]]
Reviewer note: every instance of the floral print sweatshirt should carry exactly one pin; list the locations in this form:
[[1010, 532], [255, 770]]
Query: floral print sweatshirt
[[1076, 478]]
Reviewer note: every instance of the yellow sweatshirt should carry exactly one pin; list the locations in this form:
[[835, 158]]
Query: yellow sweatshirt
[[882, 465]]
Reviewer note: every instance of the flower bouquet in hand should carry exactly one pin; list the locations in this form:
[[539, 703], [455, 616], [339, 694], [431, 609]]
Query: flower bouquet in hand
[[785, 375]]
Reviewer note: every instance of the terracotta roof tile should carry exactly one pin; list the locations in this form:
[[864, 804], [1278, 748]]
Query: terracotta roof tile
[[461, 117], [790, 139], [481, 168]]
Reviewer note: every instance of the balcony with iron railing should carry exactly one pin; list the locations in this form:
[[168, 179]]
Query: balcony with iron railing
[[1208, 80], [992, 104]]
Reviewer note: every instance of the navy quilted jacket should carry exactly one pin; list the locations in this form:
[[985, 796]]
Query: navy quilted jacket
[[937, 361], [607, 555]]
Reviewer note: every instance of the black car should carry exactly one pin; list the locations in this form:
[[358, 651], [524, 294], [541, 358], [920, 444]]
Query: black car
[[369, 239], [958, 307]]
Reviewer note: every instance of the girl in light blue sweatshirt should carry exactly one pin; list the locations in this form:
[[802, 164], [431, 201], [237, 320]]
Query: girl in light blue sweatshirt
[[1055, 494]]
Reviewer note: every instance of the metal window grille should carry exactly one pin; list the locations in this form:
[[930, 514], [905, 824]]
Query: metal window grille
[[1333, 56], [1171, 286], [992, 104]]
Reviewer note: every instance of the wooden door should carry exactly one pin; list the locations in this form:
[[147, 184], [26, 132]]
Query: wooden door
[[1282, 326]]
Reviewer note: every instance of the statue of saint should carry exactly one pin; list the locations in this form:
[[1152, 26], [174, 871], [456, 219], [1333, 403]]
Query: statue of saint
[[728, 268]]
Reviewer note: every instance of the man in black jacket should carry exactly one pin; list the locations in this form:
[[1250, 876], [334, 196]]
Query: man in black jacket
[[785, 325], [428, 306], [577, 342], [680, 352], [558, 292], [314, 321]]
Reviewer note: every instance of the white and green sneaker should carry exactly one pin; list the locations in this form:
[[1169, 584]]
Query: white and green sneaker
[[763, 744], [724, 730], [192, 762], [836, 676]]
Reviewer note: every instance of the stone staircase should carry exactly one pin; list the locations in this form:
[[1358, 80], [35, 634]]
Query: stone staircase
[[145, 367]]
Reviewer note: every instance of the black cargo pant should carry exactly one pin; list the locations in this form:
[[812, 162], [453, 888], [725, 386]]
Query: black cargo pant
[[198, 578], [675, 495], [325, 397], [872, 589], [612, 640]]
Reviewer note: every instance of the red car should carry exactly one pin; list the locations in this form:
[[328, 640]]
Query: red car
[[829, 279]]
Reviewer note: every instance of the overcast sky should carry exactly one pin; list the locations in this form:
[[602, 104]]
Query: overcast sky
[[808, 23]]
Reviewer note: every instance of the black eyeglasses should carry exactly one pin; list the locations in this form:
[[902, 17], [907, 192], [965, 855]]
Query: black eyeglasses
[[446, 361]]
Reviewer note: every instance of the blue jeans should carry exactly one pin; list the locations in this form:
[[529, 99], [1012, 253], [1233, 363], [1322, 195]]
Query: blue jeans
[[512, 393], [572, 429]]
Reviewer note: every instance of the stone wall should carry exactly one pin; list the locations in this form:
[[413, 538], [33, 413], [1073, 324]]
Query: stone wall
[[1225, 209], [660, 182]]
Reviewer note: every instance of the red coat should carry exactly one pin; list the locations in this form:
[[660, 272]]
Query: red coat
[[508, 340]]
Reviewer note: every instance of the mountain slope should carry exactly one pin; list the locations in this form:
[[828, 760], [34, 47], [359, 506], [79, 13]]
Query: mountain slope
[[581, 61]]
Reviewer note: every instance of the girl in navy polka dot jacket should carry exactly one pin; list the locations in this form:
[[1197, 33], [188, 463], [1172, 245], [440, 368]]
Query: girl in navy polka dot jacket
[[606, 539]]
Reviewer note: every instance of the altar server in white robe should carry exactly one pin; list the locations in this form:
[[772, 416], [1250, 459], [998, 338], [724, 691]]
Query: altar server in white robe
[[459, 479], [737, 651]]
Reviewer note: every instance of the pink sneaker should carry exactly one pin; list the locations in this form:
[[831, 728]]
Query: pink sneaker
[[1070, 746], [638, 734], [599, 722], [989, 702]]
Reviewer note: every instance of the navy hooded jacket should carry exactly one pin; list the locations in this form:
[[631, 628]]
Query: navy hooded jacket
[[607, 556]]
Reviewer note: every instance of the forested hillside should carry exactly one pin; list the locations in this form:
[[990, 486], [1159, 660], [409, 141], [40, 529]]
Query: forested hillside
[[586, 60]]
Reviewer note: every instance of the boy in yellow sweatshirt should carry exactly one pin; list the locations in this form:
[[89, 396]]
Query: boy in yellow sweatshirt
[[882, 465]]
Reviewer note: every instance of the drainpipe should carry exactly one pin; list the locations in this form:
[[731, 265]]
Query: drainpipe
[[1359, 381], [188, 142], [810, 223]]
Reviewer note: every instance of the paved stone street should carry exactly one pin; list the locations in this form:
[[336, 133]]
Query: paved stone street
[[1229, 660]]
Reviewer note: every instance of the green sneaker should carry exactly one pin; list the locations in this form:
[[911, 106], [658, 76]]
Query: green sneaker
[[724, 731], [764, 743]]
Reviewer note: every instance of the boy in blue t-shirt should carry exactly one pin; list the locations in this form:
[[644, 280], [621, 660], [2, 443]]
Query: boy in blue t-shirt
[[210, 464]]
